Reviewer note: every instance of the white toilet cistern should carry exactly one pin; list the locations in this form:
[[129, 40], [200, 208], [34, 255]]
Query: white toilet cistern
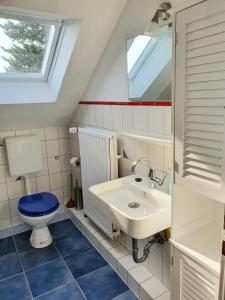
[[38, 209]]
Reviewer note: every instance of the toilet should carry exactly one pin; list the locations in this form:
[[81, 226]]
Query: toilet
[[37, 210]]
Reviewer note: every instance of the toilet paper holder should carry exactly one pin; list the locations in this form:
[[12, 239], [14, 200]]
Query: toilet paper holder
[[75, 161]]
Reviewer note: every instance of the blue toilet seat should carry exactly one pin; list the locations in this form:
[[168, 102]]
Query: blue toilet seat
[[37, 205]]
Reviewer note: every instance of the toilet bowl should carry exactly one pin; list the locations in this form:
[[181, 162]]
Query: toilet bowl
[[38, 210]]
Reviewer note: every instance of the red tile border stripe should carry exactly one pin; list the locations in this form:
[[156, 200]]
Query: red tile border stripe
[[129, 103]]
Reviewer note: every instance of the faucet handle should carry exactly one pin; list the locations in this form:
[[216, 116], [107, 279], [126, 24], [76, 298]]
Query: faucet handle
[[159, 181], [162, 180]]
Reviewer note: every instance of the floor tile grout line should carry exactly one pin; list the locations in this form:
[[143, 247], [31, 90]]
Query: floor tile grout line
[[115, 298], [55, 289], [161, 295], [44, 264], [22, 268], [74, 280], [92, 272], [115, 270], [106, 249], [11, 276], [81, 250]]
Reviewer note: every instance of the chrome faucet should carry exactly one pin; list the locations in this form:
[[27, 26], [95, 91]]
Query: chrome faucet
[[151, 174]]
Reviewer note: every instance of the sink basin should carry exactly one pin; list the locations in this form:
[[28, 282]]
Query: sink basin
[[131, 205]]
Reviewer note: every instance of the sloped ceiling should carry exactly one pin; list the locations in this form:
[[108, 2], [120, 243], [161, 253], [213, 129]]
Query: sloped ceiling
[[99, 18]]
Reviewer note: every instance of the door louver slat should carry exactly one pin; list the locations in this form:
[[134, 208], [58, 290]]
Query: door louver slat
[[204, 102], [196, 283]]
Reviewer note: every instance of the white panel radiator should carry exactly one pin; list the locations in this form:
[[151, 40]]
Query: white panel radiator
[[99, 163]]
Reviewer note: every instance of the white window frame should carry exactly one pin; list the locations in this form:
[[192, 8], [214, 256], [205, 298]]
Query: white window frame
[[50, 50]]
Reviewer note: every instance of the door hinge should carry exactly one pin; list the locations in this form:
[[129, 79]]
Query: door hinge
[[171, 260]]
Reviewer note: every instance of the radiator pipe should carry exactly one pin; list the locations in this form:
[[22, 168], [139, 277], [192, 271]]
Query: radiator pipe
[[158, 238]]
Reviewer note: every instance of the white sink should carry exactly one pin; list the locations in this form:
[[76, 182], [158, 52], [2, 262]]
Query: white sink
[[134, 207]]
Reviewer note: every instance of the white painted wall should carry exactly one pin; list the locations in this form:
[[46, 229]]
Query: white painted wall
[[109, 82]]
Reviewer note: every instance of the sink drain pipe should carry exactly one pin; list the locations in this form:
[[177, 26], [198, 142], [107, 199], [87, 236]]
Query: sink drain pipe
[[158, 238]]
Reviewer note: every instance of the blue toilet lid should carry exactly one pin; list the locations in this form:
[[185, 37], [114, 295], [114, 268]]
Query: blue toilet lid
[[39, 204]]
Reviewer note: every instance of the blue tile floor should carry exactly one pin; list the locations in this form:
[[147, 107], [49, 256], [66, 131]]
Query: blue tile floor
[[71, 268]]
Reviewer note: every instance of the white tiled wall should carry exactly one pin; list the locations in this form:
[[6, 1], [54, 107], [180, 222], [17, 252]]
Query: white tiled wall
[[155, 120], [55, 176]]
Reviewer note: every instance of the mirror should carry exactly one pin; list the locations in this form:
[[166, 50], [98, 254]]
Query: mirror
[[149, 66]]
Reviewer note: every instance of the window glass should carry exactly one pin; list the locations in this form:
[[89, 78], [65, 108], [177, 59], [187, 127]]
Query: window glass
[[26, 46]]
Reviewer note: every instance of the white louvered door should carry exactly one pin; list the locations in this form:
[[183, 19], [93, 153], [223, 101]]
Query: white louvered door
[[200, 99], [192, 281]]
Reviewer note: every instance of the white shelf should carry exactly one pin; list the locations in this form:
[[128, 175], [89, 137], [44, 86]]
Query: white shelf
[[203, 245], [147, 137]]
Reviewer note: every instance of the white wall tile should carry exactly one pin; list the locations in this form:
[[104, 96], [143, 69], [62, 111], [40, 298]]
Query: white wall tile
[[14, 207], [3, 192], [22, 132], [140, 149], [66, 178], [125, 167], [17, 220], [5, 223], [63, 132], [166, 273], [43, 183], [2, 174], [155, 154], [1, 156], [40, 132], [118, 252], [4, 134], [140, 118], [45, 167], [7, 175], [156, 119], [54, 165], [167, 158], [165, 296], [4, 210], [167, 121], [128, 117], [108, 243], [117, 117], [139, 273], [127, 144], [99, 116], [136, 276], [108, 121], [51, 133], [43, 149], [14, 189], [33, 185], [66, 193], [64, 146], [59, 194], [65, 161], [166, 251], [92, 115], [153, 287], [55, 181], [52, 147], [155, 265]]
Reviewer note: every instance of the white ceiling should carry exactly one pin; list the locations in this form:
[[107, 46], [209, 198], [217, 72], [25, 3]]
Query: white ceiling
[[99, 18]]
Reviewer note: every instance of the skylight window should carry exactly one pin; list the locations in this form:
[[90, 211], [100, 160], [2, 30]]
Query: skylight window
[[135, 50], [27, 47]]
